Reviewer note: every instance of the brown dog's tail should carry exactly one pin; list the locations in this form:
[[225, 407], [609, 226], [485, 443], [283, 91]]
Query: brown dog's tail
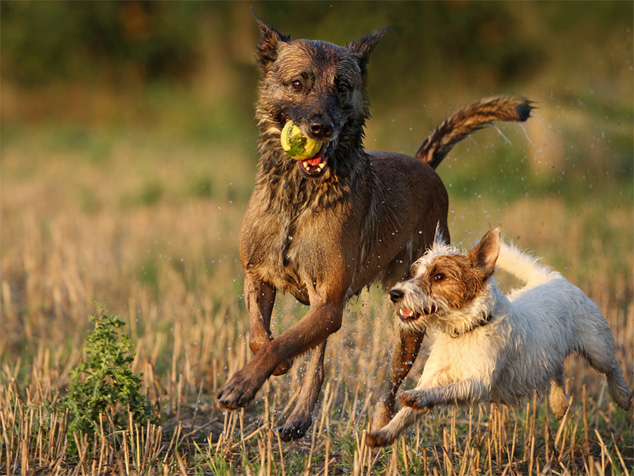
[[469, 119]]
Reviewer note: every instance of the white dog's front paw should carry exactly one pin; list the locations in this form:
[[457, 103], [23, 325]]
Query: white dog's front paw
[[379, 438], [418, 399]]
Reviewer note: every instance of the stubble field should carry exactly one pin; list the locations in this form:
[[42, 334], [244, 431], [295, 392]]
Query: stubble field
[[134, 200]]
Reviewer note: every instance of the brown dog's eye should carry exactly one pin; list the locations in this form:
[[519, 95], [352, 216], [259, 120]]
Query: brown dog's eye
[[297, 84], [439, 277], [342, 87]]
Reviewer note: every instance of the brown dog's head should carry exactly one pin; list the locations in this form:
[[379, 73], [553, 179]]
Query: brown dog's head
[[448, 289], [320, 87]]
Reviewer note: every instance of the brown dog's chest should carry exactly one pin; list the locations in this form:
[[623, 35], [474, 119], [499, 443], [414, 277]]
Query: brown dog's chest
[[293, 250], [282, 265]]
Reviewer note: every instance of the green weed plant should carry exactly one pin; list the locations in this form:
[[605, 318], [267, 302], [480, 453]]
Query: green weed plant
[[104, 383]]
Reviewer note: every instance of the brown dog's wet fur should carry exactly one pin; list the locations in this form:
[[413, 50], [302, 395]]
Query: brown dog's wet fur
[[323, 233]]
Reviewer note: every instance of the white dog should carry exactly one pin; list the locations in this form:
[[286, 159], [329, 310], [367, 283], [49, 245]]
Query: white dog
[[495, 348]]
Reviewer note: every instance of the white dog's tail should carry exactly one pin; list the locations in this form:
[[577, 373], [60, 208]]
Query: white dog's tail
[[522, 265]]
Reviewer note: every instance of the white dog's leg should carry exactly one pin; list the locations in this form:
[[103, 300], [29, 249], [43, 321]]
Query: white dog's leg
[[397, 425], [596, 345], [557, 397], [463, 392]]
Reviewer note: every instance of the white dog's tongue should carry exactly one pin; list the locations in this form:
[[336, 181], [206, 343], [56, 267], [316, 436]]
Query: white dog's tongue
[[406, 312]]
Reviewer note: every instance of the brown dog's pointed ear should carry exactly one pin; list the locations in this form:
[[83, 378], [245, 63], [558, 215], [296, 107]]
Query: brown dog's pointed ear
[[485, 254], [365, 45], [270, 38]]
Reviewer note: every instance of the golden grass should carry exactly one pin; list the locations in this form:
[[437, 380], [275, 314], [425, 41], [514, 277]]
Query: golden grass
[[132, 232]]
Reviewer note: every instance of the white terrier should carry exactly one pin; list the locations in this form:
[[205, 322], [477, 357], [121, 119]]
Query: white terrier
[[495, 348]]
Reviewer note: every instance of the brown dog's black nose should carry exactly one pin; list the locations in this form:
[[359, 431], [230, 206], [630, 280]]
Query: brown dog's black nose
[[321, 128], [396, 295]]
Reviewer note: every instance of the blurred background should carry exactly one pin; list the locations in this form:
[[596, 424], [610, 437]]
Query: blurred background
[[128, 151], [87, 76], [93, 73]]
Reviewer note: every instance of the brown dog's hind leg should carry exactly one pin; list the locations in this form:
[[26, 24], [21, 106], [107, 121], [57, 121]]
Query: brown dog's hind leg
[[406, 347], [300, 420], [259, 298]]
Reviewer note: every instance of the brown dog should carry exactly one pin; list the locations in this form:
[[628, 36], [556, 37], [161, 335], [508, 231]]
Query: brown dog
[[325, 227]]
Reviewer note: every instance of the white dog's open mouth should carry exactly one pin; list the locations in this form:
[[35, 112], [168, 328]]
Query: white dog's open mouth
[[408, 315]]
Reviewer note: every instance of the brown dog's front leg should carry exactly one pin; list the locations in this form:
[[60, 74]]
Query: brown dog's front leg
[[300, 420], [260, 297], [404, 353], [321, 320]]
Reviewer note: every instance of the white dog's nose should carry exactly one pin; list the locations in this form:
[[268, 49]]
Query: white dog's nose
[[396, 295]]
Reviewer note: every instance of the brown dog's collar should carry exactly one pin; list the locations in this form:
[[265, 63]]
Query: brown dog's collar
[[482, 322]]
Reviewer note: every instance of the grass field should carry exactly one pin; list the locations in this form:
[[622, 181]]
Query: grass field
[[148, 227], [133, 199]]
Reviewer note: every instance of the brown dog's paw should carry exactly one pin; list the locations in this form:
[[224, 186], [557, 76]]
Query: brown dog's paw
[[294, 429], [237, 392], [377, 438]]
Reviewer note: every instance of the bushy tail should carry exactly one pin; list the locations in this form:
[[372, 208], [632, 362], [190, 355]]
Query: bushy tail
[[470, 119], [522, 265]]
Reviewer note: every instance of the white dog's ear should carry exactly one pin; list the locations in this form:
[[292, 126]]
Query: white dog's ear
[[485, 254], [439, 238]]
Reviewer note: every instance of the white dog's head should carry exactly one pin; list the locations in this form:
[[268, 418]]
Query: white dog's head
[[449, 290]]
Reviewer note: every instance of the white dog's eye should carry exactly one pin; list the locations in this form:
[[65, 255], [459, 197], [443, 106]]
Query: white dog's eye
[[438, 277]]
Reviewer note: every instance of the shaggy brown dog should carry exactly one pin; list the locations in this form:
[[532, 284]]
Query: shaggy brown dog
[[325, 227]]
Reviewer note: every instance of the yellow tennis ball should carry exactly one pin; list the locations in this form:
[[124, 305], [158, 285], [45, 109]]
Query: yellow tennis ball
[[296, 144]]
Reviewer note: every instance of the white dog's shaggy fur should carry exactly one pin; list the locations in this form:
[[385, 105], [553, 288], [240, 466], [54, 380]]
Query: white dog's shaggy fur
[[495, 348]]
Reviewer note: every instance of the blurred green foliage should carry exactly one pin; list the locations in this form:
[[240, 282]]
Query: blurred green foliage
[[185, 71], [46, 41]]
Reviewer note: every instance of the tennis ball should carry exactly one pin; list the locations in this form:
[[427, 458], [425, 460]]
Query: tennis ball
[[296, 144]]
